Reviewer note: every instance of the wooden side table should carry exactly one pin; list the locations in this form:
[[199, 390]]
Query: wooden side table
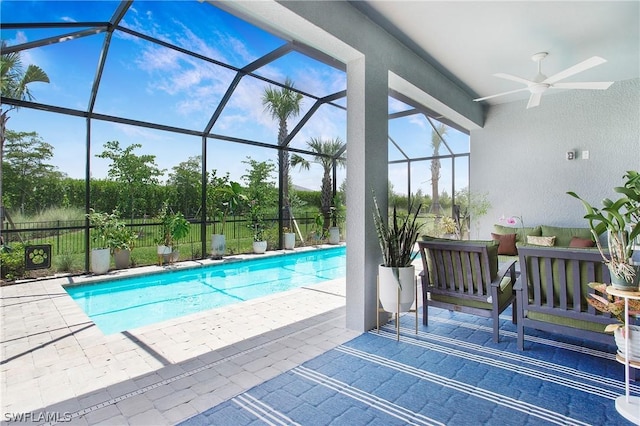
[[628, 406]]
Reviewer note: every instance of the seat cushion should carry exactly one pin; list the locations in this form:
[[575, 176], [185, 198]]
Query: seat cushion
[[569, 322]]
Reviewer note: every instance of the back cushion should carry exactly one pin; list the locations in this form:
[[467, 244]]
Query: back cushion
[[521, 232], [564, 235], [492, 252], [584, 268]]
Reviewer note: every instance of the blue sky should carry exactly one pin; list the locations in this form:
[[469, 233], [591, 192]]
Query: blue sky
[[145, 81]]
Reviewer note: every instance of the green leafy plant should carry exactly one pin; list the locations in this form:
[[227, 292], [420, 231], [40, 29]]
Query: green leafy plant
[[230, 197], [174, 227], [397, 238], [108, 231], [257, 220], [613, 305], [12, 263], [336, 211], [620, 218], [65, 262], [318, 232]]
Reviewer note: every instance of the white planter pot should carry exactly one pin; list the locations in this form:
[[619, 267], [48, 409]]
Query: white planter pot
[[259, 247], [634, 342], [122, 258], [164, 250], [334, 235], [100, 260], [289, 240], [388, 288], [218, 246]]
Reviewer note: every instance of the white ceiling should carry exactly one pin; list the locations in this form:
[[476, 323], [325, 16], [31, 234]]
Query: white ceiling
[[472, 40]]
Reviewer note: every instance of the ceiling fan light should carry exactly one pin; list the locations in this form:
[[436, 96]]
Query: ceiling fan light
[[538, 88]]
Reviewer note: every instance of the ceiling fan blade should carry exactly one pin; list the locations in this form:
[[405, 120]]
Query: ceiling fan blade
[[500, 94], [582, 66], [534, 100], [590, 85], [514, 78]]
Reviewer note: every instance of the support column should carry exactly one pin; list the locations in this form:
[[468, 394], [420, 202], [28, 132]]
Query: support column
[[367, 171]]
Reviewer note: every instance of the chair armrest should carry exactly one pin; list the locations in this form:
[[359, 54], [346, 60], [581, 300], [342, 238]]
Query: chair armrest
[[517, 287], [509, 268]]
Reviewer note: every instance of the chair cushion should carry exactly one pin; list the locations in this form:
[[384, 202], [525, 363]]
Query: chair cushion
[[569, 274], [564, 235], [569, 322], [492, 252], [520, 231]]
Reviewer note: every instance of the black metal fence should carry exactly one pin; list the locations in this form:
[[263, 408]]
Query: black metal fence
[[68, 237]]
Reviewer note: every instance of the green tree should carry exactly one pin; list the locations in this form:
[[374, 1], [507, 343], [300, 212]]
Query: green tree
[[133, 171], [27, 170], [436, 140], [283, 104], [185, 185], [326, 153], [14, 83], [260, 189]]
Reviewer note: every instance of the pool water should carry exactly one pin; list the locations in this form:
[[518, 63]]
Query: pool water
[[128, 303]]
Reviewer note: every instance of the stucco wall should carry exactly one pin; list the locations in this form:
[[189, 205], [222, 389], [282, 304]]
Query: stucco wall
[[519, 157]]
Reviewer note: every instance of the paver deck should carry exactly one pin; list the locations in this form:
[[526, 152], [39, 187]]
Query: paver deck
[[58, 366]]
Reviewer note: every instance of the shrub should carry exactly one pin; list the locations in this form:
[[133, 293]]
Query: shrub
[[65, 262], [12, 261]]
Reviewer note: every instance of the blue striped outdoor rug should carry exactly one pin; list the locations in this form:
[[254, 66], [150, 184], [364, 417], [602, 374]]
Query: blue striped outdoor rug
[[451, 373]]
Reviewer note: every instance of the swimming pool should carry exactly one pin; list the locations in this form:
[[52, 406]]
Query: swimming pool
[[123, 304]]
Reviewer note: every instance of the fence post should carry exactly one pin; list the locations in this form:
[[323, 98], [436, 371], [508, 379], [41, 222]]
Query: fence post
[[58, 237]]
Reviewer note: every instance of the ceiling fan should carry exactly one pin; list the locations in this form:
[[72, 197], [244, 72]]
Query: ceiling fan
[[540, 83]]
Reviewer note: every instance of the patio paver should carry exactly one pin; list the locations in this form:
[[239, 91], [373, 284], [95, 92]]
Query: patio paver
[[54, 359]]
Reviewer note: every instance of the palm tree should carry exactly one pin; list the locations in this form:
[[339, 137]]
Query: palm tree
[[436, 140], [326, 153], [14, 83], [283, 104]]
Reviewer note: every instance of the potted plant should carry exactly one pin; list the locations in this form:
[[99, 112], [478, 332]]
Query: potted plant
[[289, 238], [259, 243], [614, 305], [257, 226], [620, 219], [396, 275], [102, 229], [174, 227], [318, 233], [335, 216], [229, 196], [121, 244]]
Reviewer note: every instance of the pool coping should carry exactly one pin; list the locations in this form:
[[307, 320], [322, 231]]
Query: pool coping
[[116, 274]]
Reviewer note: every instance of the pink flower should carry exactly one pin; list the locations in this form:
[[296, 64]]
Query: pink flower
[[511, 220]]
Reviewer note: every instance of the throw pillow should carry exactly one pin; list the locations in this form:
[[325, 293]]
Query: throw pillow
[[541, 241], [507, 244], [577, 242]]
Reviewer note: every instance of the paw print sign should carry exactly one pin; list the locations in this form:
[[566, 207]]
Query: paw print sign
[[37, 256]]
